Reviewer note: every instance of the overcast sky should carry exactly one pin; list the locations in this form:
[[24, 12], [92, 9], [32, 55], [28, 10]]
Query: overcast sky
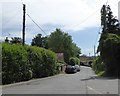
[[79, 18]]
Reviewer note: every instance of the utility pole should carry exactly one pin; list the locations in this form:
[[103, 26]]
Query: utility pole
[[94, 52], [23, 34]]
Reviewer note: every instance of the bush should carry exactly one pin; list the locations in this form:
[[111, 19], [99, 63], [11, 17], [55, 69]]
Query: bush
[[111, 50], [15, 65], [98, 66], [42, 61], [74, 60], [21, 63]]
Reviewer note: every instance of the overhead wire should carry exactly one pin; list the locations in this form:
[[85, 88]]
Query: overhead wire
[[83, 21], [36, 24], [34, 21]]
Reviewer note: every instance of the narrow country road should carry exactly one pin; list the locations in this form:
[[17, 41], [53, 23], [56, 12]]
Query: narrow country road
[[83, 82]]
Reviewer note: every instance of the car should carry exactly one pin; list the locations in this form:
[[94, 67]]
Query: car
[[77, 68], [81, 63], [90, 63], [70, 69]]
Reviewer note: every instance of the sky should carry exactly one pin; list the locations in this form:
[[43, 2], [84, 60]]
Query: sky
[[79, 18]]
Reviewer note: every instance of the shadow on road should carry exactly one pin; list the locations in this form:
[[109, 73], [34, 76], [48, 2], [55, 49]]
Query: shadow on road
[[98, 77]]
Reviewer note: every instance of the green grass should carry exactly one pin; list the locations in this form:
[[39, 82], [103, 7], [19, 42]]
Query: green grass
[[101, 73]]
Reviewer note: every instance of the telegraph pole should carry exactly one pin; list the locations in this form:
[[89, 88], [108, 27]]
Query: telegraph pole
[[94, 52], [23, 32]]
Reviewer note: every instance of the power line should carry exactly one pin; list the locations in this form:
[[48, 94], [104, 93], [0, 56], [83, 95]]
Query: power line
[[36, 24], [87, 18]]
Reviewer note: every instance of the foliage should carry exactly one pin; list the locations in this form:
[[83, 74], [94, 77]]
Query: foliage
[[21, 63], [74, 60], [98, 66], [6, 40], [109, 43], [43, 62], [40, 41], [61, 42], [15, 65], [16, 40], [111, 50]]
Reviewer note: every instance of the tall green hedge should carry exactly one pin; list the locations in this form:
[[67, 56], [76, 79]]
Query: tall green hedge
[[42, 61], [21, 63], [15, 64]]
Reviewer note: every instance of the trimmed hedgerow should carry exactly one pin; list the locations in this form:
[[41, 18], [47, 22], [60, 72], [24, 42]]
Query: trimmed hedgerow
[[21, 63], [15, 65], [42, 61]]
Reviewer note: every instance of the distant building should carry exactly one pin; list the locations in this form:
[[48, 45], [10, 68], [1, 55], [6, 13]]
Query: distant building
[[60, 56]]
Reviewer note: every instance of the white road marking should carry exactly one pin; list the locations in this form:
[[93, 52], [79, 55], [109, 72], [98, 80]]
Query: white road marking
[[94, 90]]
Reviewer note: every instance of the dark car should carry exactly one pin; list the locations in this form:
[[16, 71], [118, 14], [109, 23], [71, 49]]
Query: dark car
[[77, 67], [70, 69], [81, 63]]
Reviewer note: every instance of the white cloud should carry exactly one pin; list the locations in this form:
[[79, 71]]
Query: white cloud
[[70, 13]]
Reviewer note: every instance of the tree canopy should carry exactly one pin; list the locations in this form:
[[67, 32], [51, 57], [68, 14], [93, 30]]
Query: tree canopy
[[61, 42], [109, 43]]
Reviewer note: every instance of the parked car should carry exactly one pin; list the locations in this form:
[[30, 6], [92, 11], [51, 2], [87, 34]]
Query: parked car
[[90, 63], [81, 63], [70, 69], [77, 67]]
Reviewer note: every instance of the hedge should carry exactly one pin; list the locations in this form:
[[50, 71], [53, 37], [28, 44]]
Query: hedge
[[15, 64], [98, 66], [20, 63], [42, 61], [74, 60]]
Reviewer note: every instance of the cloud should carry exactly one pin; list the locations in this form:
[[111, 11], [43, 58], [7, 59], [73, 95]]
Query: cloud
[[74, 16]]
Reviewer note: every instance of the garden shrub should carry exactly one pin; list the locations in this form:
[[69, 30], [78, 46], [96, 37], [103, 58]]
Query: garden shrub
[[21, 63], [42, 61], [74, 60], [15, 65], [98, 66]]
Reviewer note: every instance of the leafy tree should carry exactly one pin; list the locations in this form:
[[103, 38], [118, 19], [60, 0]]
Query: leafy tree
[[76, 50], [110, 54], [109, 23], [37, 41], [109, 44], [40, 41], [61, 42], [6, 40], [16, 40]]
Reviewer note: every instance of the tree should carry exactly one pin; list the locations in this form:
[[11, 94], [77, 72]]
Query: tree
[[109, 22], [61, 42], [40, 41], [37, 41], [16, 40], [109, 43], [6, 40], [110, 54]]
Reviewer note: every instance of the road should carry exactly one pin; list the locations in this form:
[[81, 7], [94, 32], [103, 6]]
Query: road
[[83, 82]]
